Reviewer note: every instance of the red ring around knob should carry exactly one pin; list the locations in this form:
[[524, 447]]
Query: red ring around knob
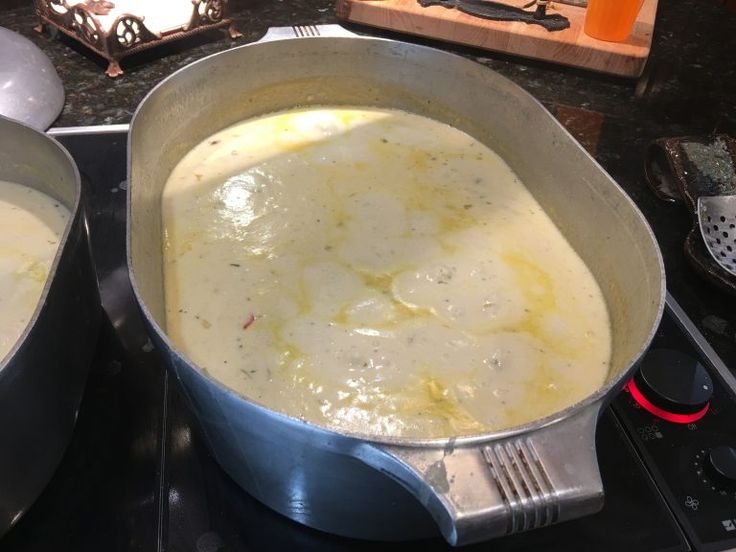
[[660, 413]]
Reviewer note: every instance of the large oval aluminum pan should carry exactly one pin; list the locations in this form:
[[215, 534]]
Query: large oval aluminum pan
[[42, 378], [371, 486]]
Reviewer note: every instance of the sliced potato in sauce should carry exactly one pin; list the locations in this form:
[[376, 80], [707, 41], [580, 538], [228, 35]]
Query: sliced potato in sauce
[[377, 272], [31, 225]]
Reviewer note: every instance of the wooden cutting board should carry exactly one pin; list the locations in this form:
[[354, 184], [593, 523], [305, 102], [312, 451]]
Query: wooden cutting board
[[569, 47]]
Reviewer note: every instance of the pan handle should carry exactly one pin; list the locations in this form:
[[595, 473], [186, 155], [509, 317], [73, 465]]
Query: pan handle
[[502, 486], [304, 31]]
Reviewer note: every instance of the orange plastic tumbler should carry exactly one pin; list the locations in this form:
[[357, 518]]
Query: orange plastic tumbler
[[611, 20]]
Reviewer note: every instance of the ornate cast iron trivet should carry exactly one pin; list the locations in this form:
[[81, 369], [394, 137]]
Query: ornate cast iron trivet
[[114, 36]]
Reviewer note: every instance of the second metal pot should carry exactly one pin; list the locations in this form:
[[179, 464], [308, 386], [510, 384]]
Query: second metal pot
[[42, 378]]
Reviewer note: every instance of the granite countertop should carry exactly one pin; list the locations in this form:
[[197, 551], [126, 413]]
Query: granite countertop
[[688, 88]]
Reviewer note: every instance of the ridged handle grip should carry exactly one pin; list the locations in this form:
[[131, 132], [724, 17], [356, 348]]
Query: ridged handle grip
[[304, 31], [502, 486]]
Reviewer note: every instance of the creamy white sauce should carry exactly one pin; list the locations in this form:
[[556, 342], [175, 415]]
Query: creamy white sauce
[[31, 224], [378, 272]]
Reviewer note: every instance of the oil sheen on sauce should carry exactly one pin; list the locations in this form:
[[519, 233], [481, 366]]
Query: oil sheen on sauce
[[376, 271], [31, 225]]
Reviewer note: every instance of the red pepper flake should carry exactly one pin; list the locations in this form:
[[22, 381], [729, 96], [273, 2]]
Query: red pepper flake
[[249, 321]]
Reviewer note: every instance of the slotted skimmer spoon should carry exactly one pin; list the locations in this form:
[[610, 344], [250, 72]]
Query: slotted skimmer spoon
[[717, 219]]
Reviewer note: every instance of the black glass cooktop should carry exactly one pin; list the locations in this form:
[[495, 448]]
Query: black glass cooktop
[[137, 475]]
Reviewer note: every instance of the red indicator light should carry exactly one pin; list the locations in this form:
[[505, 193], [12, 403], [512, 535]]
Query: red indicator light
[[668, 416]]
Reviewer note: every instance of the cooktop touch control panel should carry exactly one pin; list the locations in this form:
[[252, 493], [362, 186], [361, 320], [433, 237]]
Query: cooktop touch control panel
[[680, 411]]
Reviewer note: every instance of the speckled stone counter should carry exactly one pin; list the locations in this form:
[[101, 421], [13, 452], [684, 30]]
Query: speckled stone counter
[[688, 88]]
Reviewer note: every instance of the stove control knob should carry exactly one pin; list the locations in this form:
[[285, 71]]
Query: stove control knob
[[721, 467], [672, 385]]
